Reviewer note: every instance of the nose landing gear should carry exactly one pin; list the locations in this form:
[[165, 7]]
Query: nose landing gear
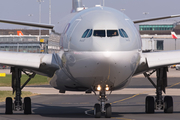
[[102, 107]]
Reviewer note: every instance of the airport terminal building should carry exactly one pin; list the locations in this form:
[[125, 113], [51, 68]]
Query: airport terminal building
[[28, 42], [156, 36]]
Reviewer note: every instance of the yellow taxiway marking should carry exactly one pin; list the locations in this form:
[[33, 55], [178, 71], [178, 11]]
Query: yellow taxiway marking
[[174, 85], [86, 112], [128, 97]]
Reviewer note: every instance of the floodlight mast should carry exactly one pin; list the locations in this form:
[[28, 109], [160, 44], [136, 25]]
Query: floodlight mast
[[49, 15], [76, 4], [40, 1]]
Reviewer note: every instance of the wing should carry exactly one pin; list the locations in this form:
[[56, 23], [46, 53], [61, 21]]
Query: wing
[[153, 19], [155, 60], [44, 64], [47, 26]]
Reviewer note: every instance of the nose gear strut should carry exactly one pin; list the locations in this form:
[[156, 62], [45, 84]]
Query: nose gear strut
[[102, 107]]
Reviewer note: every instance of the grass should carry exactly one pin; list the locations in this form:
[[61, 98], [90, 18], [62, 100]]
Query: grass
[[4, 94], [6, 82], [37, 80]]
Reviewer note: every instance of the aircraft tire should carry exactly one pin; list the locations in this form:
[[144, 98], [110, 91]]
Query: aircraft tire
[[97, 110], [149, 106], [168, 104], [108, 109], [27, 105], [9, 106]]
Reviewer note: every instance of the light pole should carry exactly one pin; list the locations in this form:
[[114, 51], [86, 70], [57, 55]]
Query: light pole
[[30, 15], [123, 10], [40, 1], [145, 13], [49, 15], [103, 3]]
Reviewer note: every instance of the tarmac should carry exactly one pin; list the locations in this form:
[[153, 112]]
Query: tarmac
[[127, 104]]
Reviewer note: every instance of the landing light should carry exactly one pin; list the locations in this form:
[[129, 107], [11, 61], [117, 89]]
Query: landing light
[[107, 88], [98, 87]]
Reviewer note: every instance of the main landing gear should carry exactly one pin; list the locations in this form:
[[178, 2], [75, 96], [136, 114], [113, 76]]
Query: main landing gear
[[18, 105], [102, 107], [159, 103]]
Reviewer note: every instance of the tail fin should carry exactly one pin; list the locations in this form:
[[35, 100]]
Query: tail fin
[[19, 33], [77, 6], [174, 36]]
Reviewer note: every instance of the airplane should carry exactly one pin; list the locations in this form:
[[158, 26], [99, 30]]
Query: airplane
[[101, 50], [174, 36]]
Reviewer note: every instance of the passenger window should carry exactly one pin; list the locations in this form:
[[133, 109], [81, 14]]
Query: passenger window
[[112, 33], [99, 33], [124, 33], [85, 33], [89, 34]]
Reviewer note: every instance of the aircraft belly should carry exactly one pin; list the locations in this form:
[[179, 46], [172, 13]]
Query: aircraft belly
[[92, 68]]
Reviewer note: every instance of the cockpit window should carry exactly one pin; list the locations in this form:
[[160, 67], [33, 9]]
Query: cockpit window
[[123, 33], [120, 32], [89, 34], [112, 33], [99, 33], [85, 33]]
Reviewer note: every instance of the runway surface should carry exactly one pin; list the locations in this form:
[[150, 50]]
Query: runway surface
[[127, 104]]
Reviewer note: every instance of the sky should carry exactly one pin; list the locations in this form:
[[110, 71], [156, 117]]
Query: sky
[[20, 9]]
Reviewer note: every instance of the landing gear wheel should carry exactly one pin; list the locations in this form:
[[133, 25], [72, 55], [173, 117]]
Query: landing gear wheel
[[97, 110], [149, 106], [108, 112], [168, 104], [27, 105], [9, 106]]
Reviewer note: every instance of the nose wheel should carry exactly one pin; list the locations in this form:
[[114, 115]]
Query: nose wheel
[[102, 107], [108, 110], [97, 110]]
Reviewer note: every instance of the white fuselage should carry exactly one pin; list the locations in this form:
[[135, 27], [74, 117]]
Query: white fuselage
[[99, 57]]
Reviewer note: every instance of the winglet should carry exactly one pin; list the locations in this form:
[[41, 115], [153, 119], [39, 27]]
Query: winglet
[[19, 33], [174, 36]]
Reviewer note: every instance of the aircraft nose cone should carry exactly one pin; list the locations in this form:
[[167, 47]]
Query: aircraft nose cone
[[91, 68]]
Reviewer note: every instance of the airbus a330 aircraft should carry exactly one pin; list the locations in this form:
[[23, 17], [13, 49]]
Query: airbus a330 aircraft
[[100, 51]]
